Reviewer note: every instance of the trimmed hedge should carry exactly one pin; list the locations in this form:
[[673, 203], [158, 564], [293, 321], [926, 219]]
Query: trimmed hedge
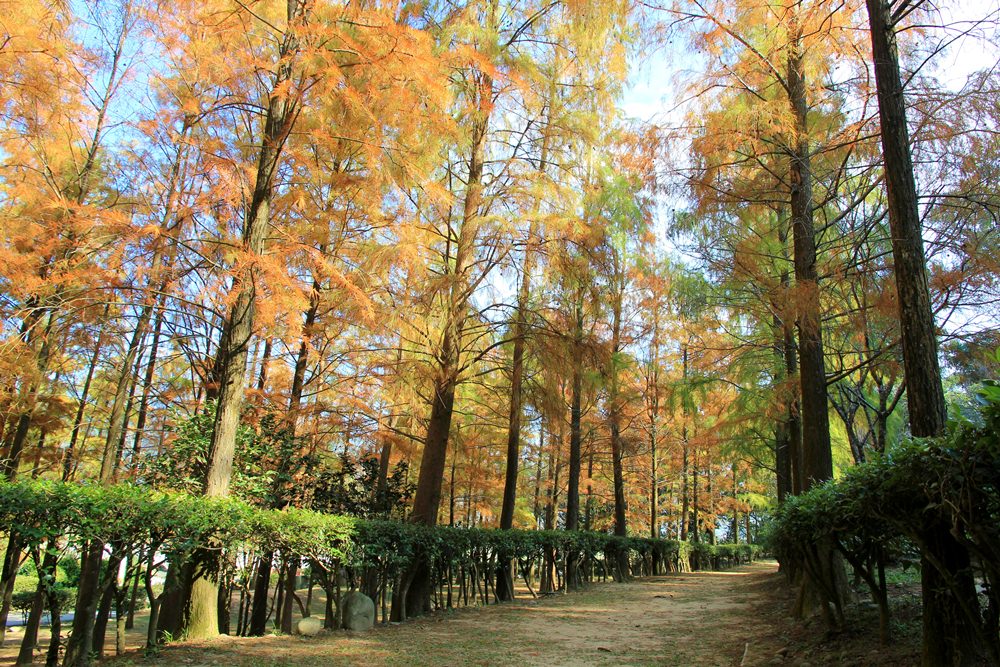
[[130, 518], [145, 526]]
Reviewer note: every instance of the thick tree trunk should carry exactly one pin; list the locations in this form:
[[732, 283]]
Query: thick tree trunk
[[817, 457], [203, 619], [946, 578], [925, 395], [427, 498], [817, 463], [946, 635]]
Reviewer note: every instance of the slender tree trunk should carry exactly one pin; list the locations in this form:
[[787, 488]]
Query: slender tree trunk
[[147, 384], [516, 379], [552, 481], [291, 576], [82, 406], [736, 511], [81, 641], [536, 507], [614, 408], [576, 412], [505, 584], [653, 408], [794, 419], [38, 318], [685, 449], [588, 511], [709, 479], [26, 653], [695, 530]]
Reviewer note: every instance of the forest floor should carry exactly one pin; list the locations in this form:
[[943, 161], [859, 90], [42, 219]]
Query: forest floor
[[734, 618]]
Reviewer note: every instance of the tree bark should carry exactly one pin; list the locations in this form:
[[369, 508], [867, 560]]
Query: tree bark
[[925, 395], [817, 457], [945, 637], [575, 418], [203, 621]]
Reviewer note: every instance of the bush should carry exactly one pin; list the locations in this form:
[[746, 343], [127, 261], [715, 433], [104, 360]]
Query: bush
[[22, 600], [883, 510]]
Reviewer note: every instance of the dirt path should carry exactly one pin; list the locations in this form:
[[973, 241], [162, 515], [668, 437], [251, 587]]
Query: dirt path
[[704, 618]]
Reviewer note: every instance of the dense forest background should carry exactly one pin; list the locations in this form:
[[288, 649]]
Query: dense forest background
[[413, 261]]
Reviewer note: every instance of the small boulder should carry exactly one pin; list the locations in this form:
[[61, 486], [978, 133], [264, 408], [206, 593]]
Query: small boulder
[[359, 611], [309, 626]]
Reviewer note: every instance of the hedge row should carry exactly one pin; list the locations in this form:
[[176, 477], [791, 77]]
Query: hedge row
[[130, 518], [146, 529], [939, 498]]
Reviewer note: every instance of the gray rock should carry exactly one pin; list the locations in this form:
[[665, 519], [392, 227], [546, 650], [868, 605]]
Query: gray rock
[[359, 611]]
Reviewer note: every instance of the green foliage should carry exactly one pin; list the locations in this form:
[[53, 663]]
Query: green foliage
[[353, 490], [70, 567], [22, 600], [886, 508], [139, 521], [267, 458]]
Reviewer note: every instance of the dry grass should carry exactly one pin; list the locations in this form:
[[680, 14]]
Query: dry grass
[[730, 618]]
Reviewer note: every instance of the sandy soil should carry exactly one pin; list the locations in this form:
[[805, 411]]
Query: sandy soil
[[704, 618]]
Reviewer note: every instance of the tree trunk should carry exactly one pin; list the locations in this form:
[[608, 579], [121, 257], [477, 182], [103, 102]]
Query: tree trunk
[[516, 379], [685, 451], [925, 395], [416, 588], [614, 407], [817, 457], [29, 641], [258, 613], [575, 425], [82, 406], [147, 383], [946, 634], [80, 643], [203, 620], [291, 576]]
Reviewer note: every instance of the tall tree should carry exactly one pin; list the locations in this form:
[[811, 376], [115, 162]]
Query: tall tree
[[947, 637]]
